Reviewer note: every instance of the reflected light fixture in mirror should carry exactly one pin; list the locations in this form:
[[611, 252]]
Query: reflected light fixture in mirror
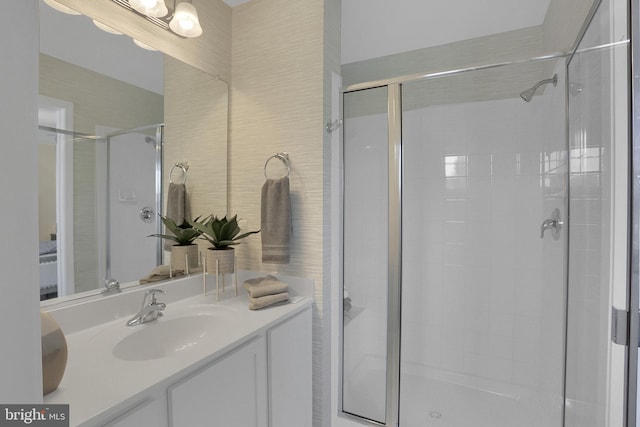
[[60, 7], [143, 45], [185, 21], [155, 8], [106, 28]]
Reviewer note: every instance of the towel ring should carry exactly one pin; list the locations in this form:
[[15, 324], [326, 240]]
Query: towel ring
[[284, 157], [184, 169]]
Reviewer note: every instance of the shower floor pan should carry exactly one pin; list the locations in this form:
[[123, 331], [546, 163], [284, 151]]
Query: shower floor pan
[[437, 398]]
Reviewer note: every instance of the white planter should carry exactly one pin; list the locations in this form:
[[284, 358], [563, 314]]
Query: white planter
[[225, 259], [181, 255]]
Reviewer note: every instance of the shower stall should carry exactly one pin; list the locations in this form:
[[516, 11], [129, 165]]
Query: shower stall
[[133, 188], [466, 304]]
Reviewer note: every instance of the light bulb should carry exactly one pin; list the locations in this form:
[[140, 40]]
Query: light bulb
[[186, 24], [155, 8], [185, 21]]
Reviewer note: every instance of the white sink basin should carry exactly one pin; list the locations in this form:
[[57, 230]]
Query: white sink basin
[[167, 336]]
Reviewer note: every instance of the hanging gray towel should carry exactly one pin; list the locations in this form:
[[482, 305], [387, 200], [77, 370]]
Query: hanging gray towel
[[275, 220], [177, 207]]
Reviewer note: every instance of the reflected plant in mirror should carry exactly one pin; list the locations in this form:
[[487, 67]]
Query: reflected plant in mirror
[[184, 253]]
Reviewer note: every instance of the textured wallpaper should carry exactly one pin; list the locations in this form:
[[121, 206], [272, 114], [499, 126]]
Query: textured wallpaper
[[277, 106], [196, 116]]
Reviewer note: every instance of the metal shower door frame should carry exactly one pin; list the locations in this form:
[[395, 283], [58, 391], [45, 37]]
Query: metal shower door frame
[[633, 292], [394, 259]]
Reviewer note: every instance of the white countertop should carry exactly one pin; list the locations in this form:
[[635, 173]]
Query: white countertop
[[98, 385]]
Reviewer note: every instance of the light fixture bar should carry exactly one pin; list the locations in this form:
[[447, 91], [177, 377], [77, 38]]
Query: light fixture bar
[[160, 22]]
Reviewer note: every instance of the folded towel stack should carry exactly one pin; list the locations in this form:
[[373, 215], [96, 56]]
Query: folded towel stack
[[265, 291]]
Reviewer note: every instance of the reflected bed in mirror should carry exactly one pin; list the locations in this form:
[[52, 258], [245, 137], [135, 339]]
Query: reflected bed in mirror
[[92, 92]]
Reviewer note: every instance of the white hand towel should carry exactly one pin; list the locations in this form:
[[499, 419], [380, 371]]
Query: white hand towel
[[275, 220]]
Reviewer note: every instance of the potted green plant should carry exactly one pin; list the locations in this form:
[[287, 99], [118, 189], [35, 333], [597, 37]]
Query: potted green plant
[[222, 233], [185, 252]]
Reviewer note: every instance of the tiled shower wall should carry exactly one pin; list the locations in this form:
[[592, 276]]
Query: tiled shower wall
[[483, 294]]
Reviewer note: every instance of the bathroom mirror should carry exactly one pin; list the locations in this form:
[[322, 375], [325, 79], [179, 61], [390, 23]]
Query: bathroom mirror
[[94, 84]]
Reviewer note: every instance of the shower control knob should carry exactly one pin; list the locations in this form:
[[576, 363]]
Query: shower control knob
[[554, 224], [146, 214]]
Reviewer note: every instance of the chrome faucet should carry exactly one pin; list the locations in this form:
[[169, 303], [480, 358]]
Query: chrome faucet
[[150, 310], [111, 286]]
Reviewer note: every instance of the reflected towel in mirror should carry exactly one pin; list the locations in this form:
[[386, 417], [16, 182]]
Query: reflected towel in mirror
[[178, 208]]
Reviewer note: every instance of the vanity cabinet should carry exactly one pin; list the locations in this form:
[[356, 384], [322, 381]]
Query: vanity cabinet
[[260, 384], [150, 412], [289, 359], [256, 372], [232, 391]]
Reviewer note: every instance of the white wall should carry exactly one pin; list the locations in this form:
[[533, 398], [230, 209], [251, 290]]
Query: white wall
[[379, 28], [112, 55], [20, 369], [277, 104]]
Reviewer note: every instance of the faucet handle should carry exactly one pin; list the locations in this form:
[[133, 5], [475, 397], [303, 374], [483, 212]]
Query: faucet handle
[[111, 286], [153, 293], [554, 223]]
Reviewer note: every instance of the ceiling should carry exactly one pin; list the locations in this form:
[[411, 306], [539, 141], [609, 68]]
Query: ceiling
[[75, 39], [233, 3], [375, 28], [370, 29]]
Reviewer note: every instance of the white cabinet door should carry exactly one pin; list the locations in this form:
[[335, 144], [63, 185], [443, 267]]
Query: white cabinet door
[[150, 413], [290, 387], [230, 392]]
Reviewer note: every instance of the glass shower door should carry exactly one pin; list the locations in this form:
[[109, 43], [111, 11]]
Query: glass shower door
[[365, 248], [482, 290], [133, 178], [598, 143]]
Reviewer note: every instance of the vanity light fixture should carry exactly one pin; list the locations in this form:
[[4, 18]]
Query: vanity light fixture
[[185, 20], [182, 19], [60, 7], [155, 8]]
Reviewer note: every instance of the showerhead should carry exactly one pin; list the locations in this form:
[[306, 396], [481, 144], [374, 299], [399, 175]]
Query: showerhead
[[527, 95], [150, 140]]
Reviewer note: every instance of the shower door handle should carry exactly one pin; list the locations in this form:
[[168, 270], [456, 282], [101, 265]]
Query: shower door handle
[[554, 224]]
